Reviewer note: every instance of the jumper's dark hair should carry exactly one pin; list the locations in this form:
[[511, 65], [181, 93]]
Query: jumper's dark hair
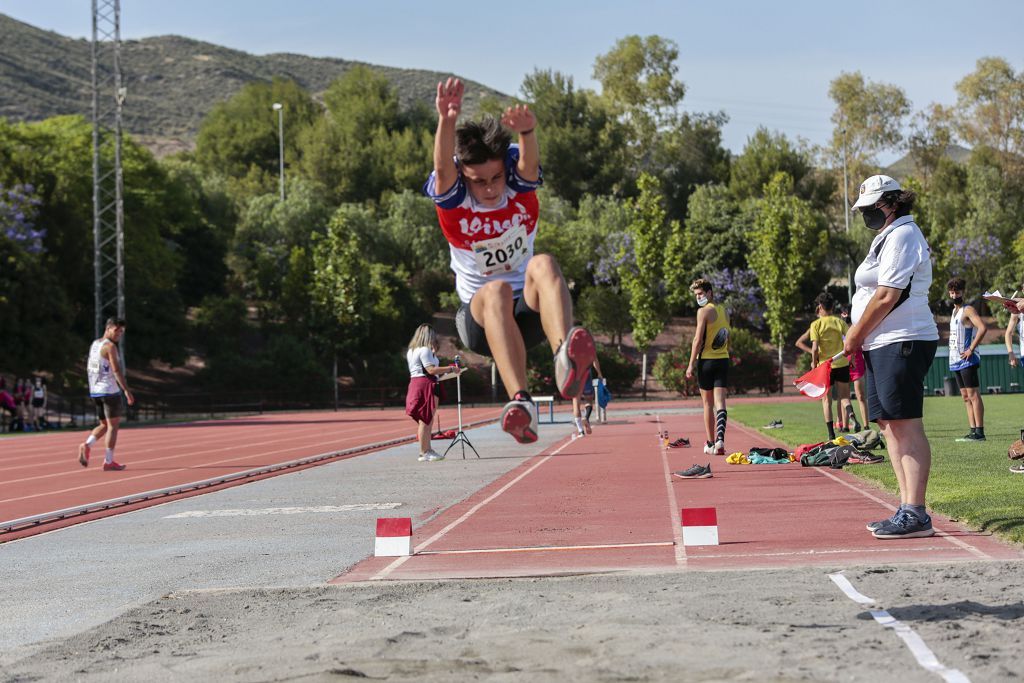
[[701, 283], [826, 301], [901, 200], [115, 322], [477, 142], [844, 309], [957, 284]]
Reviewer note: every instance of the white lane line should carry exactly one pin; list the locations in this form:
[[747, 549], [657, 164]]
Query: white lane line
[[252, 512], [851, 592], [398, 562], [673, 502], [981, 554], [891, 548], [922, 653], [542, 548]]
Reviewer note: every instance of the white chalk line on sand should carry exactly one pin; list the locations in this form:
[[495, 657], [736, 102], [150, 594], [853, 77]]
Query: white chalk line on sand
[[922, 653], [398, 562], [942, 534], [673, 503]]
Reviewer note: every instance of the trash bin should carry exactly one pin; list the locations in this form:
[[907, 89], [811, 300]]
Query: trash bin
[[951, 388]]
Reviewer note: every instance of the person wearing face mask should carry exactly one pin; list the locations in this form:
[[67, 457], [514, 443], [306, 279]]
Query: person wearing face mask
[[896, 329], [826, 337], [709, 355], [966, 330]]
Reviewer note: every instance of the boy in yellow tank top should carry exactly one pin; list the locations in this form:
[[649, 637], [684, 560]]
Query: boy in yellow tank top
[[709, 357], [826, 335]]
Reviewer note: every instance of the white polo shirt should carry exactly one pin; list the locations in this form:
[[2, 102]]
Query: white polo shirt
[[900, 258], [419, 359]]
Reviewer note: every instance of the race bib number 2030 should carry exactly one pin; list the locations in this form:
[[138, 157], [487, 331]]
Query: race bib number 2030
[[502, 254]]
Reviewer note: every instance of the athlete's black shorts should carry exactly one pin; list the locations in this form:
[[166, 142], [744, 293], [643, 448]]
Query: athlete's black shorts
[[840, 374], [475, 339], [712, 372], [967, 378], [895, 379], [109, 407]]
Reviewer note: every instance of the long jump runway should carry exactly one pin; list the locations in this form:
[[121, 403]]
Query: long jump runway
[[608, 502], [40, 474]]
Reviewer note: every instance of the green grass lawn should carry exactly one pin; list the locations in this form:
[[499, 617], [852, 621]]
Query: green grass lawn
[[970, 482]]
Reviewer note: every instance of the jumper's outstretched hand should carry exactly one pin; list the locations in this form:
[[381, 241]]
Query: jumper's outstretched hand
[[449, 98], [519, 118]]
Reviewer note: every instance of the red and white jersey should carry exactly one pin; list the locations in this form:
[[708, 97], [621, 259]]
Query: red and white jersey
[[488, 243]]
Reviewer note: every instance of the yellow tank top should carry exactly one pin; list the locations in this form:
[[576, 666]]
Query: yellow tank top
[[716, 335]]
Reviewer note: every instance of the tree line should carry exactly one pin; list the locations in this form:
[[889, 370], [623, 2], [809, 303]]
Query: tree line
[[640, 197]]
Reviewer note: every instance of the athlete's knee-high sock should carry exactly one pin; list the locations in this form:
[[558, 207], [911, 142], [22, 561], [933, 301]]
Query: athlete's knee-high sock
[[720, 419]]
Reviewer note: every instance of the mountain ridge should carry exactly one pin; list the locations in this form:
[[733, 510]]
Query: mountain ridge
[[172, 81]]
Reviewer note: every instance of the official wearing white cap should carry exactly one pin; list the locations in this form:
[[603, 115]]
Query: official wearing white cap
[[894, 325]]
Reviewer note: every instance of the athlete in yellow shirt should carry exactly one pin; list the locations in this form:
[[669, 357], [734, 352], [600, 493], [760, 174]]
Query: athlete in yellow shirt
[[709, 355], [826, 335]]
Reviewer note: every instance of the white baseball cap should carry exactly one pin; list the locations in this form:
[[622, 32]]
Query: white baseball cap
[[872, 189]]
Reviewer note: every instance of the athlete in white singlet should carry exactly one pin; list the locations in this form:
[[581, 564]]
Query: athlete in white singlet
[[106, 384]]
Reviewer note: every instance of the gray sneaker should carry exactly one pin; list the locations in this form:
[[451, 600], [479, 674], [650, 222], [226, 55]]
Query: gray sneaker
[[695, 472], [1017, 469], [905, 524], [875, 526], [572, 362], [432, 456]]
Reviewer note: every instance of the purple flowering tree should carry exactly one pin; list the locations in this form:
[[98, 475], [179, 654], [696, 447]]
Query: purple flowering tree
[[19, 208], [975, 259], [739, 291]]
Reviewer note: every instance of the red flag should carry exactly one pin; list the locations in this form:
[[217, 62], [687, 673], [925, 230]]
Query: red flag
[[816, 382]]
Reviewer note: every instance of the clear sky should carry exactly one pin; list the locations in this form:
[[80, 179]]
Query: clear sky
[[761, 61]]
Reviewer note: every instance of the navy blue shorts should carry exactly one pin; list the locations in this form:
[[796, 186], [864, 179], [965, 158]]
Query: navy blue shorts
[[895, 379]]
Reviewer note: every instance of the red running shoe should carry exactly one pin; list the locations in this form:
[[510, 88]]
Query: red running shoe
[[520, 419], [83, 454], [572, 362], [112, 466]]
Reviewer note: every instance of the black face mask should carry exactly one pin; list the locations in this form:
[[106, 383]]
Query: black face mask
[[958, 300], [874, 218]]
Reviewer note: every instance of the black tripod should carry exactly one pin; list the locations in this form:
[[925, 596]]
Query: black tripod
[[460, 436]]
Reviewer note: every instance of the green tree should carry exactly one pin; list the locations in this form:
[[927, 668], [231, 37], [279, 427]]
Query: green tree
[[366, 144], [638, 80], [605, 310], [868, 118], [239, 137], [990, 107], [787, 240], [583, 143]]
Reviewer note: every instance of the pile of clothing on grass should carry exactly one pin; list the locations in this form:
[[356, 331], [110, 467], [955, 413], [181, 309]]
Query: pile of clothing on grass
[[851, 449]]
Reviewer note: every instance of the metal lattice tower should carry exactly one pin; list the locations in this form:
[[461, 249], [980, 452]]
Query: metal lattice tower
[[108, 95]]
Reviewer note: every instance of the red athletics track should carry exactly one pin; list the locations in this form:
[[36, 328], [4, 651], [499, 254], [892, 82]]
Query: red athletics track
[[40, 473], [607, 502]]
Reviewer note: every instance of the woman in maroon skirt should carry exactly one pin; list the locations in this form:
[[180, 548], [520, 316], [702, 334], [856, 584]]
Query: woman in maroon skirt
[[420, 400]]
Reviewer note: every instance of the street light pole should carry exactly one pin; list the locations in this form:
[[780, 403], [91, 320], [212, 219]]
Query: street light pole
[[846, 217], [279, 108]]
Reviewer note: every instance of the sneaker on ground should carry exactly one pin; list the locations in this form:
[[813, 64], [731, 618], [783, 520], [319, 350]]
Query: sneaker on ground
[[967, 438], [774, 424], [83, 454], [572, 362], [905, 524], [580, 434], [681, 442], [709, 448], [719, 448], [695, 472], [586, 426], [979, 437], [113, 466], [873, 526], [520, 419], [433, 456], [1017, 469]]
